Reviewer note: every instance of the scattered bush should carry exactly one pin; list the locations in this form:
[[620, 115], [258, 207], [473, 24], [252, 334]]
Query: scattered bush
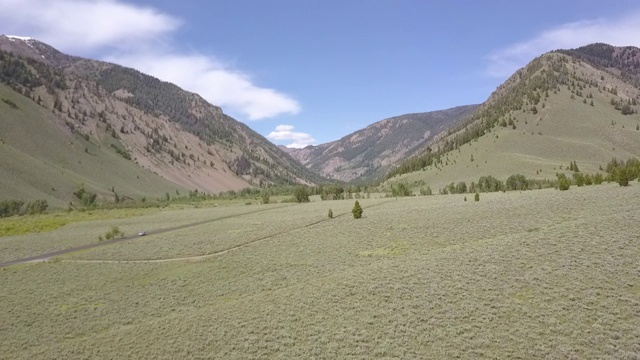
[[622, 172], [114, 233], [427, 191], [517, 182], [400, 189], [18, 207], [265, 197], [123, 152], [622, 176], [300, 194], [597, 179], [87, 199], [579, 179], [10, 103]]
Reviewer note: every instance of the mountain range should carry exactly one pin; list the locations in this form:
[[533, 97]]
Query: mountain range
[[369, 153], [100, 109], [578, 105], [68, 122]]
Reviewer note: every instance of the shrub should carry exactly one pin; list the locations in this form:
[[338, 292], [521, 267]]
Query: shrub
[[330, 214], [622, 176], [113, 233], [37, 207], [400, 189], [517, 182], [300, 194], [579, 179], [461, 188], [10, 103], [87, 199], [265, 197], [357, 210], [477, 197], [10, 208], [597, 179], [563, 182]]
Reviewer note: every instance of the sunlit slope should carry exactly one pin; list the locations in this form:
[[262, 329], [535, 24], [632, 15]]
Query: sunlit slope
[[41, 159], [564, 127]]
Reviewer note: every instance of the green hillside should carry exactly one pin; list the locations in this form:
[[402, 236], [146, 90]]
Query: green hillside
[[555, 111], [41, 159]]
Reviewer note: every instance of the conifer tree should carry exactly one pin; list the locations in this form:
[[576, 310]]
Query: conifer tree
[[357, 210]]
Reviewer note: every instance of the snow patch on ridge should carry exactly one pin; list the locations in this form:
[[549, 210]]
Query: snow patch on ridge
[[15, 37]]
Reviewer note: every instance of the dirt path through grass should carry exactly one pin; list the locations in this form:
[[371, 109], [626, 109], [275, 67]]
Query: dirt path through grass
[[217, 253], [47, 256]]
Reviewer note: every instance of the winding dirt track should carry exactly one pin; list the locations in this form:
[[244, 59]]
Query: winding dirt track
[[45, 257]]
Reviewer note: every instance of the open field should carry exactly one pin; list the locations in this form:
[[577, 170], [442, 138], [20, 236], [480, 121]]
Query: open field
[[86, 227], [537, 274]]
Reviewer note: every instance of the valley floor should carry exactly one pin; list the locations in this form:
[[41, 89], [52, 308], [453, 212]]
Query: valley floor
[[535, 274]]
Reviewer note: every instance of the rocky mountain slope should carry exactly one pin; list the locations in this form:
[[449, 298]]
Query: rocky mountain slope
[[172, 133], [566, 106], [369, 153]]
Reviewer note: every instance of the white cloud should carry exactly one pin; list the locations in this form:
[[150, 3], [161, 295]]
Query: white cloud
[[285, 132], [76, 25], [140, 37], [220, 85], [622, 31]]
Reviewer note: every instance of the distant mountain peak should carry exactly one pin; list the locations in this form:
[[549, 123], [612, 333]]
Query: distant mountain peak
[[35, 49], [368, 153]]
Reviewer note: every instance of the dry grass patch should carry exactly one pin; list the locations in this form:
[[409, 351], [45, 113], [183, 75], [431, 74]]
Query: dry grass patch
[[471, 281]]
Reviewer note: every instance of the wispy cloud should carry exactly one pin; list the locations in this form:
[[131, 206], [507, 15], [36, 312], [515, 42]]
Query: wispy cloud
[[620, 31], [141, 37], [286, 133]]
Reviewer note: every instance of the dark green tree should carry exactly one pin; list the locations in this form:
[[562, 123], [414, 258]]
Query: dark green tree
[[579, 179], [563, 182], [517, 182], [477, 197], [400, 189], [622, 176], [597, 179], [300, 194], [357, 210], [461, 188]]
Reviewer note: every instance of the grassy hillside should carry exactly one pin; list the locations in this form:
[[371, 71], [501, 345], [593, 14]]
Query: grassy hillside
[[537, 274], [41, 159], [158, 126], [555, 111]]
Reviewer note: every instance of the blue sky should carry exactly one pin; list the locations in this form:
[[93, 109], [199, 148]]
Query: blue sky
[[307, 72]]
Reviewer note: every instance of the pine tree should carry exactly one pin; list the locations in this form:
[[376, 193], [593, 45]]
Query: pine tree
[[357, 210]]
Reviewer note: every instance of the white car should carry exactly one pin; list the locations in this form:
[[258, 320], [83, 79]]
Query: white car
[[142, 233]]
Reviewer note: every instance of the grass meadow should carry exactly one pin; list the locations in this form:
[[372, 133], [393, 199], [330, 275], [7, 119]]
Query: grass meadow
[[535, 274]]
